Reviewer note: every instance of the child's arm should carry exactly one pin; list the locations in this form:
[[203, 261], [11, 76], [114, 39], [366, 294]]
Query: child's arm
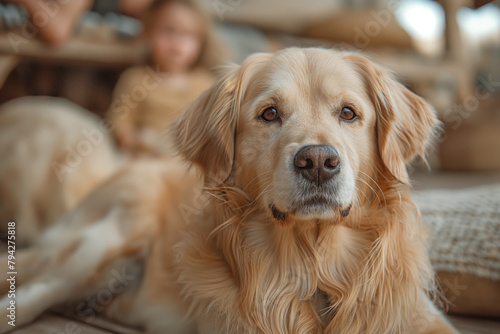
[[123, 110]]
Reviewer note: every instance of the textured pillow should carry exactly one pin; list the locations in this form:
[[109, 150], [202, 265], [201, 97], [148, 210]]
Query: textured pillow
[[464, 245]]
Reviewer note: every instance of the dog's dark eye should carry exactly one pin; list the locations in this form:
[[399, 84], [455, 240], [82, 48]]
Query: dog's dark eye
[[270, 114], [348, 114]]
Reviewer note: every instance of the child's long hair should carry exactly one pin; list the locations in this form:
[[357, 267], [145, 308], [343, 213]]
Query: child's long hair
[[212, 53]]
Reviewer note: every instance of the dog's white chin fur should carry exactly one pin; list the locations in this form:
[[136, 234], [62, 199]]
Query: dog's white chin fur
[[325, 211], [328, 213]]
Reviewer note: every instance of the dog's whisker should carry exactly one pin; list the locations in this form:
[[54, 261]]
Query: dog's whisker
[[218, 229], [359, 192], [256, 177], [381, 191], [373, 190], [262, 193], [375, 193], [256, 199], [375, 182]]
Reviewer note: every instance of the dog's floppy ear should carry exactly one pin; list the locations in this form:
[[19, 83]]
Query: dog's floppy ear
[[205, 132], [405, 122]]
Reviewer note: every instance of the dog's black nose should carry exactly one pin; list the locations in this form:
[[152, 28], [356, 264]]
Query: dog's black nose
[[317, 163]]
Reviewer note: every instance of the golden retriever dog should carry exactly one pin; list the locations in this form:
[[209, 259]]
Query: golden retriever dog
[[303, 222], [53, 154]]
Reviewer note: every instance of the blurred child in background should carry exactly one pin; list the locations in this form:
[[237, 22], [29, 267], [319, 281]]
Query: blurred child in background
[[147, 98]]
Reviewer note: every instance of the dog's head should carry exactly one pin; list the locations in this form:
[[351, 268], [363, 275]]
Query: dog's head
[[298, 130]]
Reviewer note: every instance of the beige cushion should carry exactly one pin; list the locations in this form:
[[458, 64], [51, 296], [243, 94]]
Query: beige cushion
[[464, 245]]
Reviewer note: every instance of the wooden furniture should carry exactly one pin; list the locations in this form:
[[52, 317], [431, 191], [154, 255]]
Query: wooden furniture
[[54, 323]]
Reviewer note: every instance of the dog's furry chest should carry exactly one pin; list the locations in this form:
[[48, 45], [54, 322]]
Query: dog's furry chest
[[276, 273], [315, 266]]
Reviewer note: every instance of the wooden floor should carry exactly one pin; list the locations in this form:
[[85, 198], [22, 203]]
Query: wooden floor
[[52, 323], [476, 325]]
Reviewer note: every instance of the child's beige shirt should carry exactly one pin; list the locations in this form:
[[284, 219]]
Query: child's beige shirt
[[143, 104]]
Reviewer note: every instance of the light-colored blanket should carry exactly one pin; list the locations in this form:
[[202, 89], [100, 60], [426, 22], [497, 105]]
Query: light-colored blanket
[[465, 224]]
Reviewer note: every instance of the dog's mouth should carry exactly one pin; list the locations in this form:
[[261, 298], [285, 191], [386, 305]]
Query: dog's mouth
[[315, 207]]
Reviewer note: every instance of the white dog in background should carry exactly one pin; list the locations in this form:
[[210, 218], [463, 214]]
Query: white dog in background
[[53, 153]]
